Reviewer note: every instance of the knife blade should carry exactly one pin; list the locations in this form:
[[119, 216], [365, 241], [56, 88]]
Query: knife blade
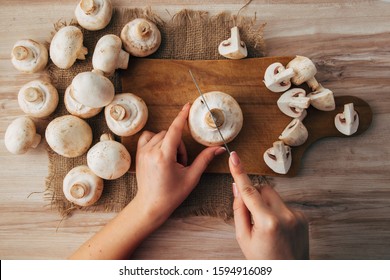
[[208, 108]]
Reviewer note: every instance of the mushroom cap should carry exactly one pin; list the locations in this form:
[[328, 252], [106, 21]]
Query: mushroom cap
[[278, 157], [21, 135], [293, 102], [67, 46], [304, 69], [347, 122], [69, 136], [29, 56], [227, 113], [126, 114], [140, 37], [295, 133], [38, 98], [109, 159], [93, 14], [108, 54], [92, 89], [82, 187], [322, 99], [77, 109], [277, 78]]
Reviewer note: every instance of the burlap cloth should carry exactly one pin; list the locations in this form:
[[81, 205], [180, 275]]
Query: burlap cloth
[[190, 35]]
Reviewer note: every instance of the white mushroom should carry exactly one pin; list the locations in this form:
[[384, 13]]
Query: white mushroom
[[295, 133], [304, 71], [226, 113], [126, 114], [67, 46], [94, 14], [38, 98], [277, 77], [233, 47], [77, 109], [108, 55], [322, 99], [293, 102], [348, 121], [278, 158], [108, 159], [69, 136], [29, 56], [140, 37], [92, 89], [82, 187], [21, 135]]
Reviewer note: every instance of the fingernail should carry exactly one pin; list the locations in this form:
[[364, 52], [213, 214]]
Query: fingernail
[[185, 106], [220, 151], [235, 159], [235, 190]]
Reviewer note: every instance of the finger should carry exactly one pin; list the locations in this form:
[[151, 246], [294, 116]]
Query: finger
[[144, 138], [182, 154], [272, 199], [242, 218], [157, 138]]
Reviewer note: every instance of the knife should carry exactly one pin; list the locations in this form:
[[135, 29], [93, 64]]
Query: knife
[[208, 108]]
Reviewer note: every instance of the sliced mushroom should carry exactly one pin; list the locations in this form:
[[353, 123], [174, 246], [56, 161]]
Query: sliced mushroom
[[67, 46], [29, 56], [304, 71], [108, 55], [322, 99], [108, 159], [82, 187], [348, 121], [226, 113], [140, 37], [69, 136], [21, 135], [126, 114], [77, 109], [233, 47], [94, 14], [277, 78], [295, 133], [38, 98], [278, 158], [293, 102]]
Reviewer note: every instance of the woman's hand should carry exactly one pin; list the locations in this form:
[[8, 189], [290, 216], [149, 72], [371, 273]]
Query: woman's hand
[[277, 232]]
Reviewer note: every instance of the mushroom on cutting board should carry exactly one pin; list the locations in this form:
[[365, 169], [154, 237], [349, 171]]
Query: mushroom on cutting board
[[233, 47], [38, 98], [278, 158], [67, 46], [295, 133], [76, 108], [227, 115], [93, 14], [347, 122], [277, 77], [304, 71], [293, 102], [82, 187], [29, 56], [322, 99], [21, 135], [108, 158], [126, 114], [69, 136], [140, 37]]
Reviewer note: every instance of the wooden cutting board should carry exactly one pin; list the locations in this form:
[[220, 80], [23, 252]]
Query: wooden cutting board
[[165, 86]]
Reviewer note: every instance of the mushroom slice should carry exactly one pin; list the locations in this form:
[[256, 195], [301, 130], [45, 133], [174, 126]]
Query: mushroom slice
[[93, 14], [69, 136], [233, 47], [140, 37], [108, 159], [295, 133], [126, 114], [348, 121], [108, 55], [29, 56], [322, 99], [278, 158], [21, 135], [227, 115], [82, 187], [293, 102], [304, 70], [38, 98], [67, 46], [277, 78], [77, 109]]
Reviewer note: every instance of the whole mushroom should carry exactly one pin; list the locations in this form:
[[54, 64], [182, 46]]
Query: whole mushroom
[[226, 113], [93, 14], [69, 136], [233, 47], [304, 71], [82, 187], [108, 159], [76, 108], [38, 98], [67, 46], [126, 114], [29, 56], [21, 135]]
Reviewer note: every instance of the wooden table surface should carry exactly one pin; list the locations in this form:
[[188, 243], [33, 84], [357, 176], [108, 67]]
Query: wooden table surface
[[344, 184]]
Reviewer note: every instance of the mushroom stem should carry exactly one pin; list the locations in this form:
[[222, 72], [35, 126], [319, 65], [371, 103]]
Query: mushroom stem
[[88, 6], [217, 115], [123, 59], [284, 75], [82, 53], [313, 84], [118, 112], [36, 141], [349, 113], [79, 190], [22, 53], [143, 29], [33, 95], [300, 102], [106, 137]]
